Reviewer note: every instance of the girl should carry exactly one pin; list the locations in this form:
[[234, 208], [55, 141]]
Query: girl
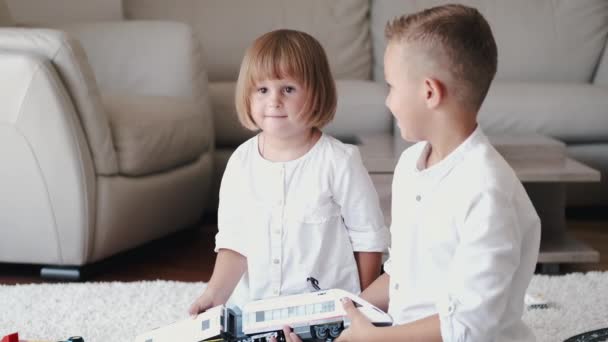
[[294, 202]]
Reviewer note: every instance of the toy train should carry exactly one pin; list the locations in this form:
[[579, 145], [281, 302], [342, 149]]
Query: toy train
[[312, 316]]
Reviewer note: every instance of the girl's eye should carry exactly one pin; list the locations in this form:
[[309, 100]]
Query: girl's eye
[[290, 90], [262, 90]]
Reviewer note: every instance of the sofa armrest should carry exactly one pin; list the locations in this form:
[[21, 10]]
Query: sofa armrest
[[142, 57], [48, 176], [601, 73]]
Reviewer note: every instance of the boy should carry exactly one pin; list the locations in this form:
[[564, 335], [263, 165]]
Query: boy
[[465, 235]]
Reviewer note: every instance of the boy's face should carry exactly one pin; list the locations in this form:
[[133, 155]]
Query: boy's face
[[406, 92]]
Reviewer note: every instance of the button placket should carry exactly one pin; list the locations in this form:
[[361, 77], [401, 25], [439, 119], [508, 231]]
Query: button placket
[[276, 243]]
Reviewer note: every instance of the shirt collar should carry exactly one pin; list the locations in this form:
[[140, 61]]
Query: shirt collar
[[444, 166]]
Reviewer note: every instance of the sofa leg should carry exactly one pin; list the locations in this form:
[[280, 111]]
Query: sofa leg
[[61, 273]]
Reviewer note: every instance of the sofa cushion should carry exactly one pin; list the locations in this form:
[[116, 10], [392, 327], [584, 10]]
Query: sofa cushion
[[540, 41], [39, 13], [155, 133], [5, 15], [573, 113], [227, 27], [360, 109]]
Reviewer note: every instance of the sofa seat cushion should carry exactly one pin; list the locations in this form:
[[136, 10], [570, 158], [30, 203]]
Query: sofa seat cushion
[[154, 133], [360, 109], [573, 113]]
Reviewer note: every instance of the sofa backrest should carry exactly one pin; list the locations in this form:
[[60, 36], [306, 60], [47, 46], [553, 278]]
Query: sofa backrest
[[227, 27], [41, 12], [539, 41], [5, 15]]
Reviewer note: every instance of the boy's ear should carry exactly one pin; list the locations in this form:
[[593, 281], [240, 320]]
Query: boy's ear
[[434, 92]]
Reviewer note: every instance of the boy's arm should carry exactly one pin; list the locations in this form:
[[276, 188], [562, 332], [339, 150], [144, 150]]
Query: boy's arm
[[361, 329], [489, 267], [377, 292], [369, 265]]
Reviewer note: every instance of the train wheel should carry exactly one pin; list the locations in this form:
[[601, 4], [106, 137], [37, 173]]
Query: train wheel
[[319, 331], [335, 329]]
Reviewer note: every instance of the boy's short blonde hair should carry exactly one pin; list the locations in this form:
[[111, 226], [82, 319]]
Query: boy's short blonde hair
[[288, 53], [457, 38]]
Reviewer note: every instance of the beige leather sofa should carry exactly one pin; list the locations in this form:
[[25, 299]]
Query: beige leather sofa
[[106, 138], [552, 74]]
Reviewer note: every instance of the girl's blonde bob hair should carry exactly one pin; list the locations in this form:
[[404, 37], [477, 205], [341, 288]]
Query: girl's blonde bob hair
[[282, 54]]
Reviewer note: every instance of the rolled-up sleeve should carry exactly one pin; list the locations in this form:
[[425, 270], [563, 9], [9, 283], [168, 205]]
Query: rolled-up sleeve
[[480, 283], [360, 206], [230, 212]]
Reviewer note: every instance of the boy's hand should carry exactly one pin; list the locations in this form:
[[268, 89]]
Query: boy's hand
[[360, 326], [202, 303], [289, 336]]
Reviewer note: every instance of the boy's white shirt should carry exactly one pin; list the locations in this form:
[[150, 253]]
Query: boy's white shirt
[[465, 241], [298, 219]]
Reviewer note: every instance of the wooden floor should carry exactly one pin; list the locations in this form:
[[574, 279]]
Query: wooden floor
[[188, 256]]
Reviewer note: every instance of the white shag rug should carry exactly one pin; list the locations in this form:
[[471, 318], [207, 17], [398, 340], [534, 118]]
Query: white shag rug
[[108, 312]]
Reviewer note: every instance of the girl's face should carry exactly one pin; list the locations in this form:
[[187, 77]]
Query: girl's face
[[276, 106]]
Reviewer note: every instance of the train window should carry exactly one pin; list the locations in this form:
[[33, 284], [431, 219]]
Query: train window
[[301, 310], [328, 306], [309, 309], [292, 311], [205, 325], [284, 313], [318, 308], [276, 314], [259, 316]]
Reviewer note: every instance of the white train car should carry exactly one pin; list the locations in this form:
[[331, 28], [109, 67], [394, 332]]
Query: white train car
[[216, 324], [317, 315]]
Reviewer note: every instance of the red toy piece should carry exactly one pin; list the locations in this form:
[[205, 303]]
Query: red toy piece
[[11, 338]]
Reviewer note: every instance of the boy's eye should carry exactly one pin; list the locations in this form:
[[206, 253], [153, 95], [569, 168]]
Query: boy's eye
[[262, 90], [290, 89]]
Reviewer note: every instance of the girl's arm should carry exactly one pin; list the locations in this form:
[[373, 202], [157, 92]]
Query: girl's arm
[[369, 265], [228, 270]]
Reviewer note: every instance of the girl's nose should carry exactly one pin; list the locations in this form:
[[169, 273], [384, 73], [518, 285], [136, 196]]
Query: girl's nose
[[275, 101]]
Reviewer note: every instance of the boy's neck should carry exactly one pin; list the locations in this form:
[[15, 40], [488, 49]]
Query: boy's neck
[[280, 149], [446, 139]]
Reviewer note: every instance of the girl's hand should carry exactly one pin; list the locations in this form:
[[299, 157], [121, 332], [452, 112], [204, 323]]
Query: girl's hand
[[202, 303], [289, 336], [360, 326]]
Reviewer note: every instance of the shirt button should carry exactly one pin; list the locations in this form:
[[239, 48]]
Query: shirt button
[[276, 261], [396, 287], [418, 198]]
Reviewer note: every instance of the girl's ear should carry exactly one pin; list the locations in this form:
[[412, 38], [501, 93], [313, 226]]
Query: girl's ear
[[434, 92]]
